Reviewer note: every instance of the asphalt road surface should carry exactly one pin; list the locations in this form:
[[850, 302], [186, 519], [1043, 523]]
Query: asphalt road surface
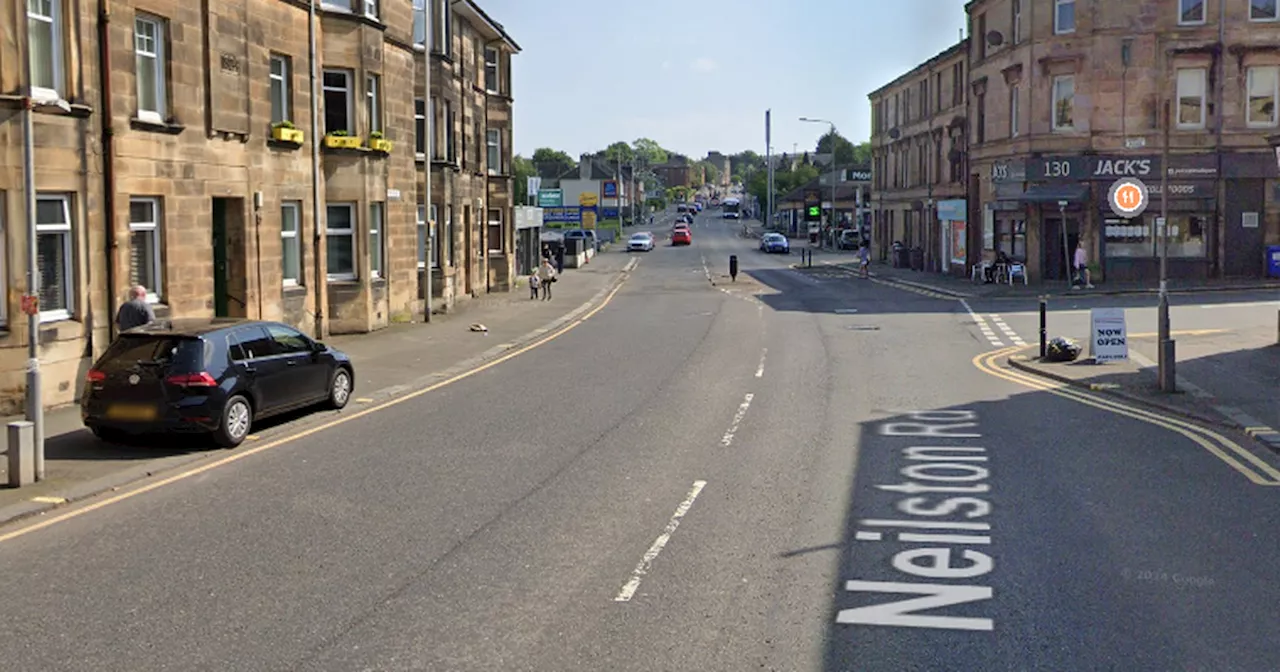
[[785, 472]]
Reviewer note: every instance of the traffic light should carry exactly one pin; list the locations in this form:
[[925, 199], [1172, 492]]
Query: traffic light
[[813, 213]]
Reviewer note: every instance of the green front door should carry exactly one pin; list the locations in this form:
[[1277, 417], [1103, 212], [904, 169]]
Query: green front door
[[220, 305]]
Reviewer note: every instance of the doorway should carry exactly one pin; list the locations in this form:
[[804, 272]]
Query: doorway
[[227, 240], [469, 254], [1054, 262]]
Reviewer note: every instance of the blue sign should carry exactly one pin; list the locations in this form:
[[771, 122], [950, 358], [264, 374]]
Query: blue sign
[[569, 214], [952, 211], [609, 189], [608, 213]]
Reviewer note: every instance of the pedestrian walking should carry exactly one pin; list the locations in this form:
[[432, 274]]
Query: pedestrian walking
[[546, 278], [534, 282], [135, 312], [1081, 265], [864, 258]]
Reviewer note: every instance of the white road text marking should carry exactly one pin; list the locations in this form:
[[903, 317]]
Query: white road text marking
[[629, 589], [946, 481]]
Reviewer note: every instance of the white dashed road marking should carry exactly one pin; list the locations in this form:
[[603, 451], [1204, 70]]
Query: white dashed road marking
[[629, 589], [760, 369], [727, 439], [1008, 331], [983, 326]]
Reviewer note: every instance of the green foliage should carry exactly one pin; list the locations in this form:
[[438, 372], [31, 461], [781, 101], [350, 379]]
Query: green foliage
[[785, 180], [619, 152], [712, 172], [649, 151], [847, 153], [552, 163], [522, 169]]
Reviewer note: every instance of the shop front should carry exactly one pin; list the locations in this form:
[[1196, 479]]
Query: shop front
[[1130, 248], [953, 236]]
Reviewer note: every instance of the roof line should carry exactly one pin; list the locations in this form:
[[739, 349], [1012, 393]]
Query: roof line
[[944, 54]]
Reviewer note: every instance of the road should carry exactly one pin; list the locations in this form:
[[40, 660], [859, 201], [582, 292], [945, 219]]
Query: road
[[689, 479]]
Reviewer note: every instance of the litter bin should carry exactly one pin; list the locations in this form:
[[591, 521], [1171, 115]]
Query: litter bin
[[1273, 261]]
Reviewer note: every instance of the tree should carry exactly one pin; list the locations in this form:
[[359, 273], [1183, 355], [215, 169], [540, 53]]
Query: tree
[[712, 172], [862, 154], [552, 163], [844, 149], [649, 151], [522, 169], [619, 151]]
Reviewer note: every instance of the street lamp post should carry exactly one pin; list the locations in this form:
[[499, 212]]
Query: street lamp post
[[832, 221], [1168, 361]]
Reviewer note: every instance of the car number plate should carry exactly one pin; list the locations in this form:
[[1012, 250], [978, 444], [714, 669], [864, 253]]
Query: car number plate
[[131, 412]]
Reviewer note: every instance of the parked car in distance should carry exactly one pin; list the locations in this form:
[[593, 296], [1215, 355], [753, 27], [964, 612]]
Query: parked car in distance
[[849, 240], [586, 235], [640, 242], [209, 376], [775, 242], [681, 236]]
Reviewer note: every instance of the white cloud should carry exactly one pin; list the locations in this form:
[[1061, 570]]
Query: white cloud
[[704, 65]]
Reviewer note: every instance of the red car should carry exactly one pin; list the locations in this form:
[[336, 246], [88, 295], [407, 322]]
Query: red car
[[681, 236]]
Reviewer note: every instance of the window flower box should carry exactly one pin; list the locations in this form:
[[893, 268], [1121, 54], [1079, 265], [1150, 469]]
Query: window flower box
[[340, 140], [378, 143], [287, 132]]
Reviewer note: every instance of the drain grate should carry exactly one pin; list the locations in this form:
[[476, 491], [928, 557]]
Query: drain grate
[[845, 311], [862, 327]]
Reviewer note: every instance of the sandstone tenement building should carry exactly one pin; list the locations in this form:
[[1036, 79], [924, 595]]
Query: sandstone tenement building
[[1064, 96], [174, 148]]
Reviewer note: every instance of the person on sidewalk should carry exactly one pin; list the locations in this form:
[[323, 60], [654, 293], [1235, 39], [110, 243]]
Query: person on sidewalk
[[534, 281], [135, 312], [1081, 265], [864, 259], [546, 278]]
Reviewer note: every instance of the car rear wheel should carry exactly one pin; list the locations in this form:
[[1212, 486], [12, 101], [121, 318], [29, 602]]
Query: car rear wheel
[[237, 418], [340, 389]]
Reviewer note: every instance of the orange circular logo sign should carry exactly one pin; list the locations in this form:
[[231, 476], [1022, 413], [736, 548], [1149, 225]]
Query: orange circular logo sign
[[1128, 197]]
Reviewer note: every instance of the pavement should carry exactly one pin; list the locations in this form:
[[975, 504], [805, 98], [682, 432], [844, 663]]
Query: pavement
[[786, 470], [388, 363]]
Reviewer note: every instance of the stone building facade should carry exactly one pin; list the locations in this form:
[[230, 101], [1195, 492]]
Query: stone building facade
[[175, 149], [918, 138], [1067, 96]]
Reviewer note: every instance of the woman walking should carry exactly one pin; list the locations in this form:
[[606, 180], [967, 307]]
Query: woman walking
[[546, 277]]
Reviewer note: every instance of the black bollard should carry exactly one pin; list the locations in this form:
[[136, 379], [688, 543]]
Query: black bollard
[[1044, 344], [733, 267]]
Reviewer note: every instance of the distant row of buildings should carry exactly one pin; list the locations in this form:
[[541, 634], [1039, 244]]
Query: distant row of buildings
[[174, 148], [1011, 139]]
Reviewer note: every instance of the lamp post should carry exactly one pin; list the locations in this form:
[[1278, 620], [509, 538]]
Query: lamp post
[[1166, 372], [833, 164]]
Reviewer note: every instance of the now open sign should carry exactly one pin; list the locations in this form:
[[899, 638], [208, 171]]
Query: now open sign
[[1108, 338]]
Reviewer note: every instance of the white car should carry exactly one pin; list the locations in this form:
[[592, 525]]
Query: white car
[[640, 242]]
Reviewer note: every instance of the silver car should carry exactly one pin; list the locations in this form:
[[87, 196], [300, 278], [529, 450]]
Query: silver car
[[640, 242]]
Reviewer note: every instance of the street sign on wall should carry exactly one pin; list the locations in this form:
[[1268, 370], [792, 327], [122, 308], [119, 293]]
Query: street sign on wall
[[550, 198]]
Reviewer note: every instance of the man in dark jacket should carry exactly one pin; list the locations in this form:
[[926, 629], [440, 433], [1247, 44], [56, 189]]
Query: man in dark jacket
[[136, 311]]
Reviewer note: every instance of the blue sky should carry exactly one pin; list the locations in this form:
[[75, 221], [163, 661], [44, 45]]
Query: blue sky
[[697, 75]]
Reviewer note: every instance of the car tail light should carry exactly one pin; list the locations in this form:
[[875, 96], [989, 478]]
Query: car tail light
[[95, 376], [202, 379]]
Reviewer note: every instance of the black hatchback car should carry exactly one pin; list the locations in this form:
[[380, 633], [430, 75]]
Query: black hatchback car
[[209, 376]]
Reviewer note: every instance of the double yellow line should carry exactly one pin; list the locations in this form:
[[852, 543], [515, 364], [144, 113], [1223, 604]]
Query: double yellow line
[[1236, 456]]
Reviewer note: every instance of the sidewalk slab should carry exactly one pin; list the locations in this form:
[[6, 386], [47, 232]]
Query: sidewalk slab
[[1226, 379], [388, 363], [967, 288]]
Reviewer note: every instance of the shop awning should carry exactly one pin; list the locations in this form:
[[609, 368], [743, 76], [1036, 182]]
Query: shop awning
[[1052, 193]]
